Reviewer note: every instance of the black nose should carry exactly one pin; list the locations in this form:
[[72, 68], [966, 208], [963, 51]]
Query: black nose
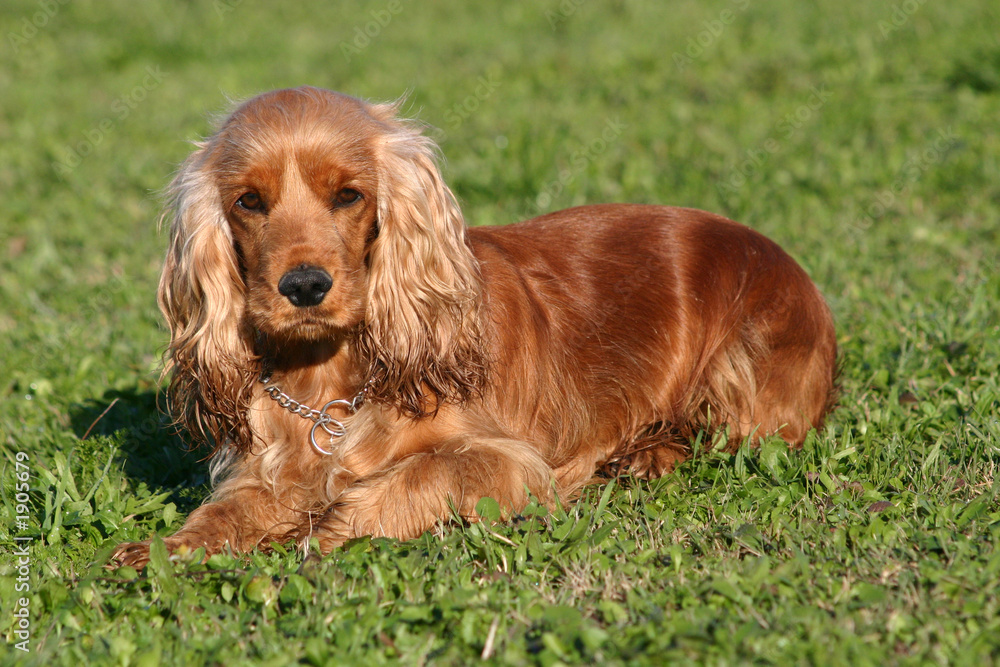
[[305, 286]]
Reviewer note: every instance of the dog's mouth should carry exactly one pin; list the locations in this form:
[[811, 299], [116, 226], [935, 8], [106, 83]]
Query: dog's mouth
[[310, 328], [305, 328], [304, 325]]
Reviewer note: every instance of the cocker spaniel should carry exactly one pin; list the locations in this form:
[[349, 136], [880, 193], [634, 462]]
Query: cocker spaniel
[[365, 364]]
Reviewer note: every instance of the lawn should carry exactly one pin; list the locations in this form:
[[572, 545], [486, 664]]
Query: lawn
[[863, 137]]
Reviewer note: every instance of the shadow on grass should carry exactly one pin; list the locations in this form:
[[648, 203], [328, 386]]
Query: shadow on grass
[[151, 450]]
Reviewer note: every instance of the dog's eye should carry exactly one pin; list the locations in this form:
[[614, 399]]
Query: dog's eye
[[251, 201], [346, 197]]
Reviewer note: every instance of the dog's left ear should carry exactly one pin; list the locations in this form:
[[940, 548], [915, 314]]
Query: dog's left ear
[[422, 335]]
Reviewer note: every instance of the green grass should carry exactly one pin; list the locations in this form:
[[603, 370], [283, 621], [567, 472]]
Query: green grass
[[861, 136]]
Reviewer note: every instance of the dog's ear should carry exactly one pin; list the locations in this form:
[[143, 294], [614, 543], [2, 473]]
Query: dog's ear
[[202, 295], [422, 333]]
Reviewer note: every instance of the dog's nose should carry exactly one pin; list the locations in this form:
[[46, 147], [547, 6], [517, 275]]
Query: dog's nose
[[305, 285]]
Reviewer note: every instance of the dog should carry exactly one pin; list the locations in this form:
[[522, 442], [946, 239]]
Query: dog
[[365, 364]]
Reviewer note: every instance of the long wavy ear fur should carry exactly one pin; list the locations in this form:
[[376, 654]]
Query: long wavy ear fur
[[422, 335], [210, 358]]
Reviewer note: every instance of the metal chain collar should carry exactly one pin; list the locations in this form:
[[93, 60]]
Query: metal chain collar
[[320, 418]]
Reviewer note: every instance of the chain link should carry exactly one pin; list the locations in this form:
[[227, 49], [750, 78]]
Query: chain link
[[288, 403], [320, 418]]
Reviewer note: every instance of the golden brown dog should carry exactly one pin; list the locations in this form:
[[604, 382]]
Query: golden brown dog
[[363, 362]]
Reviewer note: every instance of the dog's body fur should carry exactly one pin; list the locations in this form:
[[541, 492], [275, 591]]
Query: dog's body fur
[[496, 361]]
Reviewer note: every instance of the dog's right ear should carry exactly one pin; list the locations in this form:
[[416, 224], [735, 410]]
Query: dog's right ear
[[210, 359]]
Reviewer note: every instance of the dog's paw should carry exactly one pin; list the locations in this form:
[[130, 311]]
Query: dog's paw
[[130, 554], [136, 554], [372, 509], [328, 530]]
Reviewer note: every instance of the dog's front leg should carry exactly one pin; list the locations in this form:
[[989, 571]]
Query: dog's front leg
[[422, 489], [246, 513]]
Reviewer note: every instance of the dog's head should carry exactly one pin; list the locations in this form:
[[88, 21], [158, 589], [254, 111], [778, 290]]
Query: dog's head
[[298, 185], [311, 217]]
